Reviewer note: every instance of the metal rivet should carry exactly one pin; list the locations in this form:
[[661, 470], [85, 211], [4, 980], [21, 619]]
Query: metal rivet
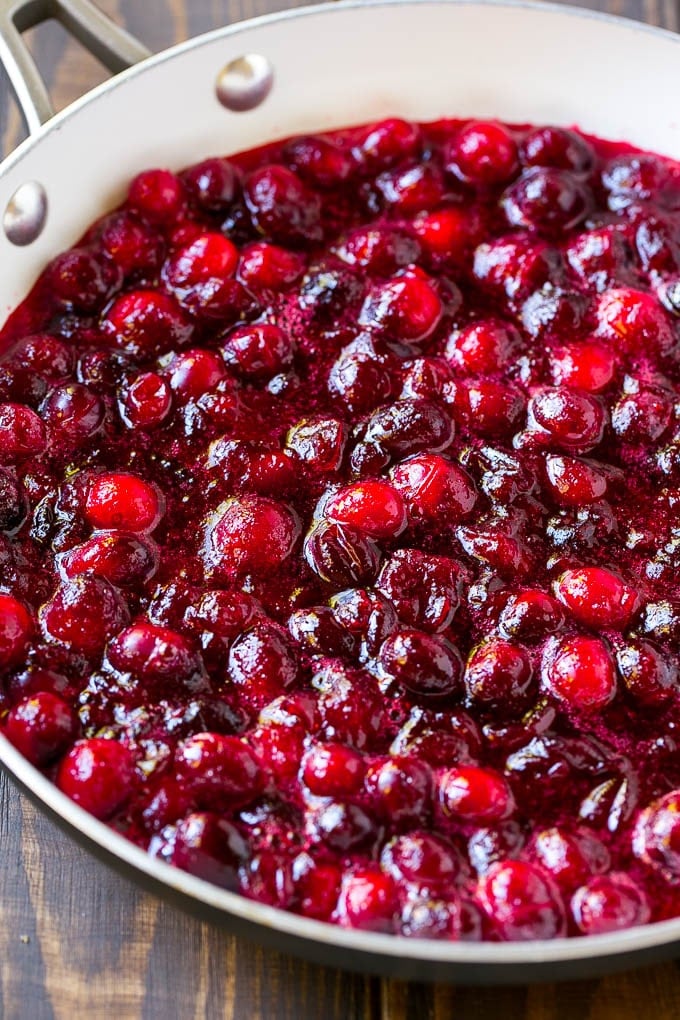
[[245, 82], [25, 214]]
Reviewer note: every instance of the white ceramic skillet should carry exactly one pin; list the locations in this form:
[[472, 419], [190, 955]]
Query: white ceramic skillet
[[311, 69]]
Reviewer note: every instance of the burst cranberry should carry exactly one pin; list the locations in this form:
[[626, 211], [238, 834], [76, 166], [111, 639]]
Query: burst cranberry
[[46, 355], [558, 147], [210, 848], [12, 502], [608, 903], [498, 675], [366, 614], [530, 615], [145, 323], [406, 309], [633, 177], [601, 258], [656, 837], [98, 775], [579, 672], [642, 417], [282, 207], [474, 794], [219, 770], [340, 827], [157, 195], [350, 708], [433, 488], [211, 184], [570, 857], [117, 500], [388, 142], [650, 677], [634, 320], [259, 351], [521, 902], [546, 200], [317, 631], [411, 188], [158, 656], [485, 346], [22, 433], [341, 554], [424, 917], [123, 559], [400, 791], [251, 534], [266, 265], [318, 442], [83, 614], [224, 613], [515, 266], [373, 506], [332, 770], [262, 662], [147, 402], [597, 598], [426, 665], [425, 590], [42, 727], [584, 366], [573, 420], [482, 153]]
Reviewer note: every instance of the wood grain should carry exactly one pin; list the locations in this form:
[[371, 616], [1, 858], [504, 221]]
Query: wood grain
[[78, 941]]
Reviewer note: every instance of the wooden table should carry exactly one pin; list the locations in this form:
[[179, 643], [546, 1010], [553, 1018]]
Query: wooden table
[[77, 942]]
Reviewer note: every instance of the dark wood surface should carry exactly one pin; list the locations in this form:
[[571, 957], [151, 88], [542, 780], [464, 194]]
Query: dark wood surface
[[78, 941]]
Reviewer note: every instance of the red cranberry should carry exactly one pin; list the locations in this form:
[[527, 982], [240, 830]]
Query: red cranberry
[[22, 433], [318, 632], [283, 208], [438, 738], [389, 142], [122, 558], [608, 903], [193, 373], [574, 421], [210, 848], [250, 534], [147, 402], [574, 482], [73, 412], [211, 184], [41, 726], [424, 589], [156, 655], [341, 554], [359, 381], [557, 147], [642, 417], [423, 858], [210, 255], [259, 351], [16, 626], [279, 750], [650, 676], [601, 258], [368, 900], [332, 770], [12, 502], [423, 917], [268, 878], [406, 309], [219, 770], [434, 488], [373, 506], [579, 672], [380, 248], [569, 857], [82, 281], [267, 266], [83, 614], [318, 442], [530, 615], [262, 663], [482, 153], [98, 775], [499, 547], [157, 195], [597, 598], [318, 889], [515, 266], [411, 187], [634, 177], [131, 244], [225, 613], [426, 665], [547, 200], [634, 320], [475, 794], [448, 234], [342, 828], [350, 707], [409, 426], [490, 407], [498, 842], [46, 355], [521, 902], [117, 500], [145, 323], [656, 838], [498, 675], [400, 790], [484, 346], [319, 161]]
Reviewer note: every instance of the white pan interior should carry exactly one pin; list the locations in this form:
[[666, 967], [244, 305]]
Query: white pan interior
[[335, 66]]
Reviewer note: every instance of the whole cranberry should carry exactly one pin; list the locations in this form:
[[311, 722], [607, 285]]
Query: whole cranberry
[[342, 828], [282, 207], [341, 554], [547, 200], [259, 351], [498, 675], [380, 248], [421, 857], [41, 726], [73, 412], [474, 794], [16, 627], [574, 482], [642, 417], [193, 373], [120, 557], [579, 672], [211, 184], [98, 774], [400, 790], [388, 142], [557, 147], [484, 346], [318, 887], [134, 246], [268, 878], [634, 320], [219, 770], [158, 656], [319, 160], [368, 900], [530, 615], [158, 196], [359, 381], [633, 177], [262, 663], [608, 903], [649, 675], [373, 506], [332, 770], [434, 488], [319, 442], [410, 426], [438, 738], [147, 402], [210, 848], [499, 546], [365, 614], [597, 597], [588, 366], [350, 707], [513, 267], [266, 266], [425, 590], [656, 837], [81, 280], [448, 234], [490, 408], [424, 664], [318, 632], [570, 857], [83, 614], [405, 309], [521, 902], [482, 153], [411, 187], [249, 534], [122, 500], [145, 323], [46, 355], [424, 917], [22, 433], [602, 258], [574, 421], [497, 842]]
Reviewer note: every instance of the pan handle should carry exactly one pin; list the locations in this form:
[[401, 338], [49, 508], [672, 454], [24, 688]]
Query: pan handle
[[110, 43]]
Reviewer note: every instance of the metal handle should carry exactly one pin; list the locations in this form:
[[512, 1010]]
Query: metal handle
[[110, 43]]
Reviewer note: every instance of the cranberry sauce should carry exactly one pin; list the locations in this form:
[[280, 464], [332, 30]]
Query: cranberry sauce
[[339, 554]]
